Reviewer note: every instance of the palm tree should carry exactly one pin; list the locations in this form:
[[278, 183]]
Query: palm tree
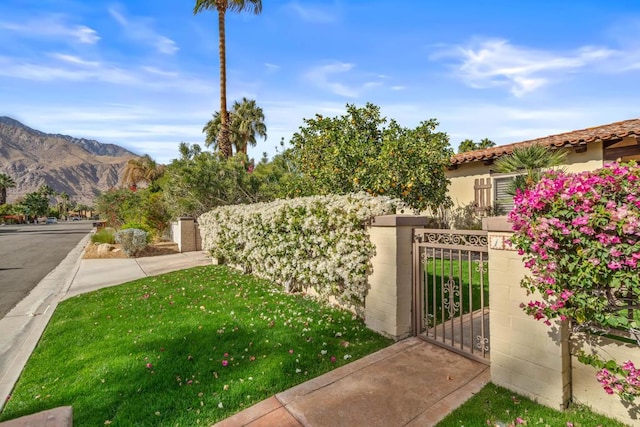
[[532, 160], [466, 145], [212, 131], [222, 6], [5, 182], [485, 143], [144, 169], [246, 120]]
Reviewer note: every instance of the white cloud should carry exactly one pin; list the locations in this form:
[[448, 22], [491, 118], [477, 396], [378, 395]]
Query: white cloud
[[53, 26], [271, 67], [141, 31], [26, 70], [326, 77], [65, 67], [492, 63], [75, 60], [313, 13]]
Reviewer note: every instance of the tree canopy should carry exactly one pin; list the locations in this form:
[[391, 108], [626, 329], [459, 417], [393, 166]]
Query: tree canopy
[[246, 121], [362, 151], [471, 145]]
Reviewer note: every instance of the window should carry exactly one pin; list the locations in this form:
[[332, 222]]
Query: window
[[503, 201]]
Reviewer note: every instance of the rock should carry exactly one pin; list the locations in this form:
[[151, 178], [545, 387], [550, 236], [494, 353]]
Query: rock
[[104, 248]]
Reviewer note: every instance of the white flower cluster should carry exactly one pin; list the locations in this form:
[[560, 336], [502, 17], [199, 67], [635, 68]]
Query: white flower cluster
[[318, 242]]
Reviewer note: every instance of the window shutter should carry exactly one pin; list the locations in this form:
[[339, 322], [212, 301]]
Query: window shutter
[[503, 201]]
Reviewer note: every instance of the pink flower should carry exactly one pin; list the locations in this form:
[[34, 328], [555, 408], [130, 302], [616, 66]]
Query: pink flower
[[290, 351], [519, 420], [149, 366], [225, 362], [333, 359]]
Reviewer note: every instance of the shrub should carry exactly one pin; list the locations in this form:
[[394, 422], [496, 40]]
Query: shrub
[[139, 226], [580, 236], [106, 235], [319, 242], [132, 240]]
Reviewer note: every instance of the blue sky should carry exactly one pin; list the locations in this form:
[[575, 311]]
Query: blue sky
[[144, 73]]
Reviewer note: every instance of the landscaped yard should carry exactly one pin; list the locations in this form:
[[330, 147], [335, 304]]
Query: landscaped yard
[[497, 406], [186, 348]]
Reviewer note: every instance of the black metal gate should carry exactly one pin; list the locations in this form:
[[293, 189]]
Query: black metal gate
[[451, 290]]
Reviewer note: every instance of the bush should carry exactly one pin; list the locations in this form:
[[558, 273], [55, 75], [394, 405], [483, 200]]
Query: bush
[[580, 237], [139, 226], [132, 240], [318, 242], [106, 235]]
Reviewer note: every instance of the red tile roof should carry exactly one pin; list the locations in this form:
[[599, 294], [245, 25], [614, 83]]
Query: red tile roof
[[568, 139]]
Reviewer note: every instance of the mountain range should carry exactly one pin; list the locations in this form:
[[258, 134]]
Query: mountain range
[[80, 167]]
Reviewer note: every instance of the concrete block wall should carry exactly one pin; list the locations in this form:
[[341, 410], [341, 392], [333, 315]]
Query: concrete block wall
[[535, 360], [588, 391], [527, 356], [186, 234], [388, 305]]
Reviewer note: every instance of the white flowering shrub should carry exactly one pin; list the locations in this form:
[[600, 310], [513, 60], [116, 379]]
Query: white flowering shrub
[[317, 242], [132, 240]]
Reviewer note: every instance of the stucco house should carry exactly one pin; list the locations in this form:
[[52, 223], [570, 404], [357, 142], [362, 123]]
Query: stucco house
[[474, 181]]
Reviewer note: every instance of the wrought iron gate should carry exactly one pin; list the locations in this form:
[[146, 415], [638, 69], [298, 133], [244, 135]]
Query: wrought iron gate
[[451, 290]]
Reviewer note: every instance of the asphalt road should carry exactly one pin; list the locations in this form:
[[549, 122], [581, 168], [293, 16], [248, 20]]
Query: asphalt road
[[29, 252]]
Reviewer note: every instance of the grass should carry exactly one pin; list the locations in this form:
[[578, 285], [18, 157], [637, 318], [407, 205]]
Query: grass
[[106, 235], [437, 272], [497, 406], [185, 348]]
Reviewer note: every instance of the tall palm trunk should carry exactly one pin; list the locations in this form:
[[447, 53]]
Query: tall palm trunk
[[224, 140]]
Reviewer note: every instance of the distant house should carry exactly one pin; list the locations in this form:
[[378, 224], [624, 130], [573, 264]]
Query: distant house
[[474, 181]]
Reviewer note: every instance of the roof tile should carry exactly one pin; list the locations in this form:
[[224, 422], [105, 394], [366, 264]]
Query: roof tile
[[577, 137]]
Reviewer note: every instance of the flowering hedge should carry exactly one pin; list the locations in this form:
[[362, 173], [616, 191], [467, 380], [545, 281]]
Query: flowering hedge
[[319, 242], [580, 236]]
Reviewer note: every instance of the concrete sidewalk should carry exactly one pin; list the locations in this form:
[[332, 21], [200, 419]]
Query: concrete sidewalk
[[410, 383]]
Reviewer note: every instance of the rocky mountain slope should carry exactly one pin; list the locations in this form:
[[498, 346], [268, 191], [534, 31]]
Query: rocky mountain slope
[[77, 166]]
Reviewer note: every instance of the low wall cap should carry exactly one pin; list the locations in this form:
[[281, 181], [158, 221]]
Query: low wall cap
[[399, 220]]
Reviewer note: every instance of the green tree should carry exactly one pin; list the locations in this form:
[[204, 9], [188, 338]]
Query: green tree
[[6, 182], [486, 143], [143, 169], [63, 205], [222, 6], [200, 180], [246, 121], [469, 145], [46, 190], [530, 161], [36, 203], [466, 145], [361, 151]]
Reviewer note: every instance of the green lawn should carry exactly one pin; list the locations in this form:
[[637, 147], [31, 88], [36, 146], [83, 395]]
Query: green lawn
[[497, 406], [186, 348], [467, 274]]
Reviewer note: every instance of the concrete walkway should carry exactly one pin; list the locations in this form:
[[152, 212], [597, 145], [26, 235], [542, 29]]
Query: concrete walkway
[[410, 383]]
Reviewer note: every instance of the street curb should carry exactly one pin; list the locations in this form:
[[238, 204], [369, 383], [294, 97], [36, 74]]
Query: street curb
[[32, 323]]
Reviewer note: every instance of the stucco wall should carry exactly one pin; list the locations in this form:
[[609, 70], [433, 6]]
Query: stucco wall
[[586, 388], [535, 360], [462, 179], [526, 356]]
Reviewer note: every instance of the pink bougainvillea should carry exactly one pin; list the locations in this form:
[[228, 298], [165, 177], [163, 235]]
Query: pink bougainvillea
[[580, 237]]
